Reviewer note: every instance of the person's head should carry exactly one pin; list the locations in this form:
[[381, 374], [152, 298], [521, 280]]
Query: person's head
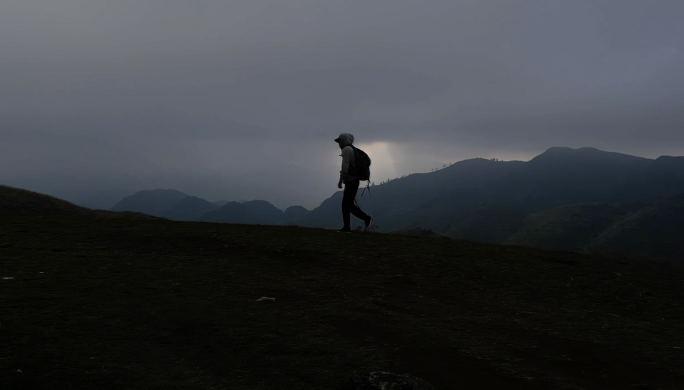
[[345, 139]]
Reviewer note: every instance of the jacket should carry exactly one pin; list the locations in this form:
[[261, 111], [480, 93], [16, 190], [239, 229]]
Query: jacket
[[345, 142]]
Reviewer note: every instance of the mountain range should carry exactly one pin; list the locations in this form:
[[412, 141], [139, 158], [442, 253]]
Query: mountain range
[[584, 200], [175, 205]]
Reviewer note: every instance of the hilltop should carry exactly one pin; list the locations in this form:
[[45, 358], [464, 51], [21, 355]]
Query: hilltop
[[16, 200], [24, 202], [139, 304]]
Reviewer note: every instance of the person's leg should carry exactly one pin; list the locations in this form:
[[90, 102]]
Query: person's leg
[[354, 208], [358, 213], [348, 201]]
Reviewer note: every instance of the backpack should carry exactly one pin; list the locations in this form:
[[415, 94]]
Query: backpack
[[360, 168]]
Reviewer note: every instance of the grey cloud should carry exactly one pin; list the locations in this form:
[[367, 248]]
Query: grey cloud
[[139, 87]]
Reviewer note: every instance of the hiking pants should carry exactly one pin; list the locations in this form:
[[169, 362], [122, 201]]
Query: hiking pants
[[351, 188]]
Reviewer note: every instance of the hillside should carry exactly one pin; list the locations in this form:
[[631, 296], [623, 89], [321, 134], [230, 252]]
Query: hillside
[[475, 199], [562, 199], [557, 177], [662, 178], [572, 227], [647, 231], [493, 224], [654, 232], [562, 176], [17, 200], [423, 233], [157, 304], [582, 200], [391, 203]]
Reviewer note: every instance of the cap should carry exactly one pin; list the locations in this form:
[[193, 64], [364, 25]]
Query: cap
[[337, 140]]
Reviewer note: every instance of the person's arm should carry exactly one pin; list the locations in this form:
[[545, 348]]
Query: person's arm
[[339, 183], [346, 159]]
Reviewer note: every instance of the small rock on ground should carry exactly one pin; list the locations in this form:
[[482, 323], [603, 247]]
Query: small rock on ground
[[381, 380]]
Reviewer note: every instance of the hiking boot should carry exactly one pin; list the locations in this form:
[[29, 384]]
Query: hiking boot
[[345, 229], [369, 224]]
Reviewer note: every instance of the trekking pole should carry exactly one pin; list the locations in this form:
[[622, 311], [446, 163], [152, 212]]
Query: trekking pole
[[367, 188]]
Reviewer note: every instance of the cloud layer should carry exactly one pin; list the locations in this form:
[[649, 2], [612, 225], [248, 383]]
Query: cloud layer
[[256, 87]]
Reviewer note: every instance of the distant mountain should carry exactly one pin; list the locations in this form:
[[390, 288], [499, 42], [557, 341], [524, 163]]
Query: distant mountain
[[562, 176], [328, 214], [662, 178], [295, 213], [153, 202], [557, 177], [104, 200], [437, 214], [417, 197], [220, 203], [583, 199], [252, 212], [176, 205], [190, 208]]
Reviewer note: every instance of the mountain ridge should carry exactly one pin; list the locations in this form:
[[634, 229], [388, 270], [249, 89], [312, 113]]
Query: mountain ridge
[[584, 200]]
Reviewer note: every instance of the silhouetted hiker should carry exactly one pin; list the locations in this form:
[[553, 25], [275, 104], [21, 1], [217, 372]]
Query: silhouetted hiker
[[350, 179]]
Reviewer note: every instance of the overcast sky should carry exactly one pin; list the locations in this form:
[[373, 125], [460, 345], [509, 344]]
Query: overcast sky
[[241, 99]]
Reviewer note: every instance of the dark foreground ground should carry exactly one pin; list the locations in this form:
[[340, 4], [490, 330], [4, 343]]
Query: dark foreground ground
[[152, 304]]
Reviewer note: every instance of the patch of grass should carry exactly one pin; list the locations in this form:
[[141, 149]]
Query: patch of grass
[[125, 303]]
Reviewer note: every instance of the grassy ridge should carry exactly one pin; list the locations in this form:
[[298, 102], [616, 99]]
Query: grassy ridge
[[125, 303], [18, 201], [15, 200]]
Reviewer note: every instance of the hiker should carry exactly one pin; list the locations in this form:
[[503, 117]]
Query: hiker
[[350, 179]]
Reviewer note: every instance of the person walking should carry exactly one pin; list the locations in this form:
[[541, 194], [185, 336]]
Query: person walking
[[350, 181]]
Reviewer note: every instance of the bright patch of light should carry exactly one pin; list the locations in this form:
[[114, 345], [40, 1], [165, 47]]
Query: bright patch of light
[[383, 163]]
